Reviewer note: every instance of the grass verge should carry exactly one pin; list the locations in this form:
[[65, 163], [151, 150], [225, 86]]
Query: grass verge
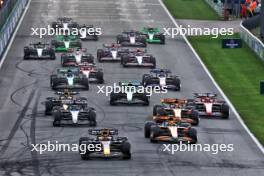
[[190, 9], [238, 72]]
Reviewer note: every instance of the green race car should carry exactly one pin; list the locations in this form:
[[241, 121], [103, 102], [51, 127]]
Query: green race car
[[63, 43], [153, 35]]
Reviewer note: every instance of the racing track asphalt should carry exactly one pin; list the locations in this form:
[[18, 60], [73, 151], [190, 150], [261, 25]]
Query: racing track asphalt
[[25, 85]]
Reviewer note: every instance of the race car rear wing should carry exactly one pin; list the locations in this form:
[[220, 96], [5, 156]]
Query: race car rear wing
[[201, 95], [68, 92], [130, 83], [159, 70], [173, 101], [109, 131]]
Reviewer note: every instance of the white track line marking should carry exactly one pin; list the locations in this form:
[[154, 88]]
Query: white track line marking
[[214, 82], [14, 34]]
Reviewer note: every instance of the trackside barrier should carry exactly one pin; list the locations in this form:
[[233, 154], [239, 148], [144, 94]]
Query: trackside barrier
[[10, 24], [218, 7], [252, 41]]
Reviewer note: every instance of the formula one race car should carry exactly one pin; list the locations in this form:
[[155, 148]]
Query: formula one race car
[[93, 73], [106, 145], [112, 52], [74, 58], [175, 108], [74, 114], [138, 58], [63, 43], [65, 23], [87, 32], [132, 92], [162, 78], [170, 131], [208, 105], [132, 38], [39, 51], [153, 35], [69, 78], [65, 98]]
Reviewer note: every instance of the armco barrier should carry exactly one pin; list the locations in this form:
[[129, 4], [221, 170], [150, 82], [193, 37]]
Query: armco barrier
[[10, 24], [252, 41]]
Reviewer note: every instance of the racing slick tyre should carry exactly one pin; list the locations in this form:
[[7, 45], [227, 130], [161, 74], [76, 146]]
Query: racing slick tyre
[[57, 119], [225, 111], [84, 156], [63, 59], [192, 133], [100, 54], [124, 60], [162, 39], [52, 54], [100, 77], [54, 25], [153, 61], [144, 79], [119, 39], [147, 128], [113, 98], [154, 132], [48, 107], [195, 117], [85, 82], [125, 148], [177, 83], [159, 110], [92, 118], [53, 82]]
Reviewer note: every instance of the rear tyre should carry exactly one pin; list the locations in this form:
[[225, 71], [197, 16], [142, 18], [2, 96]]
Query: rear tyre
[[193, 134], [92, 118], [225, 111], [125, 148], [147, 128]]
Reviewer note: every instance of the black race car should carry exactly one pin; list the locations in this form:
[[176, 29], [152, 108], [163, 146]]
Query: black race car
[[170, 131], [208, 105], [138, 58], [162, 78], [64, 98], [74, 58], [74, 114], [112, 52], [105, 143], [39, 51], [132, 92], [132, 38], [64, 22], [87, 32], [69, 78], [93, 73]]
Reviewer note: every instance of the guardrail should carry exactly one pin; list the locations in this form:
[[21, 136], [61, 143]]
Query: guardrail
[[10, 24], [252, 41], [218, 7]]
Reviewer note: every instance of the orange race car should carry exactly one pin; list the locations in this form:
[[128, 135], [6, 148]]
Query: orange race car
[[173, 107], [173, 131]]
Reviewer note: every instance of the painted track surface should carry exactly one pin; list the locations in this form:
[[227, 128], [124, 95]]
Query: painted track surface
[[25, 85]]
